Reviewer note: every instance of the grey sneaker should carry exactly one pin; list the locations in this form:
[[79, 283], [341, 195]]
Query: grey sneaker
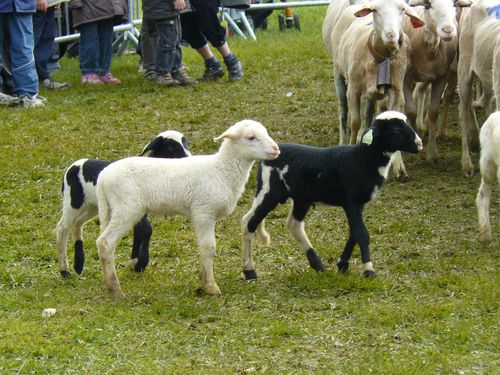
[[34, 102], [8, 100], [213, 72], [150, 75], [183, 78], [50, 84], [166, 80], [234, 69]]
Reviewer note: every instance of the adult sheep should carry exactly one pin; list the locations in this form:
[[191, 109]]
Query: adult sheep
[[359, 47], [434, 48], [343, 176], [490, 167], [79, 202], [478, 45], [204, 188]]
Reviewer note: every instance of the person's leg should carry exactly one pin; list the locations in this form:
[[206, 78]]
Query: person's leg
[[210, 26], [20, 27], [148, 47], [44, 29], [168, 40], [105, 31], [5, 99], [178, 71], [89, 53]]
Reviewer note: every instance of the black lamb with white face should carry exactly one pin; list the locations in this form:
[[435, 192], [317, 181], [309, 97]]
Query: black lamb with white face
[[343, 176], [80, 202]]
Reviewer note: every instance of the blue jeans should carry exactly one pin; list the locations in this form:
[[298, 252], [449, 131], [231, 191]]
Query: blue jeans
[[96, 46], [20, 42], [168, 34], [44, 28]]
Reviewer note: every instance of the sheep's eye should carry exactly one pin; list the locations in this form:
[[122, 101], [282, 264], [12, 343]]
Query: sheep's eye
[[251, 138]]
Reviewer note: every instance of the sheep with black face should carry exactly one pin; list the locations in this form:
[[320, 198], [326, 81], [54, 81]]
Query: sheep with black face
[[344, 176]]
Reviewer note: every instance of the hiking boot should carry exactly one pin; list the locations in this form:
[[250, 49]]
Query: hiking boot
[[110, 79], [181, 76], [8, 100], [50, 84], [166, 80], [234, 69], [213, 72], [35, 101], [150, 75], [91, 79]]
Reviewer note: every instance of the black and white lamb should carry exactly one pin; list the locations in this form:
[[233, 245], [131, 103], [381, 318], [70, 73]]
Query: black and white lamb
[[79, 202], [343, 176]]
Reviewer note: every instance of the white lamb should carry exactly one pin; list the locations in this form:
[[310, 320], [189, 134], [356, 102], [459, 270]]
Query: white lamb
[[490, 166], [204, 188]]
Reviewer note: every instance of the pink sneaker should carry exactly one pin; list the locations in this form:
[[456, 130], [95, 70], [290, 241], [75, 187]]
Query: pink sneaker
[[110, 79], [91, 79]]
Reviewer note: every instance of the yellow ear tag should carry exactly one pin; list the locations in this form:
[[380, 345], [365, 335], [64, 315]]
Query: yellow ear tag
[[368, 138]]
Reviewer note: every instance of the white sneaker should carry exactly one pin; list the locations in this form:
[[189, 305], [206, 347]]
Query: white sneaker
[[34, 102], [8, 100]]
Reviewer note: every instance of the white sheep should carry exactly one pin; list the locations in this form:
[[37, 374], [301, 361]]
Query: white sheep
[[434, 48], [204, 188], [479, 38], [358, 47], [490, 167], [79, 202]]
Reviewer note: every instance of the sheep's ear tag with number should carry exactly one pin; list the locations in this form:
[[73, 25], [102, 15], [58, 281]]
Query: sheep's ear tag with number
[[368, 137]]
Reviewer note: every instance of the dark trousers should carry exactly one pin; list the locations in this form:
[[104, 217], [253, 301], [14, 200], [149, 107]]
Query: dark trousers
[[203, 24], [160, 42], [44, 30]]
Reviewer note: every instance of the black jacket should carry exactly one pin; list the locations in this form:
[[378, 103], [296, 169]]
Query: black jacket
[[157, 9]]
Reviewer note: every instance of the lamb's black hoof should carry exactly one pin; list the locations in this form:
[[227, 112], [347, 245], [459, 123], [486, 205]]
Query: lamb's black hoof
[[343, 266], [79, 257], [66, 274], [314, 260], [140, 267], [369, 274], [250, 274]]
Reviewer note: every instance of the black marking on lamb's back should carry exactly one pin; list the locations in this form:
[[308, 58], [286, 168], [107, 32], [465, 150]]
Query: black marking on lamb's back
[[91, 169], [76, 188]]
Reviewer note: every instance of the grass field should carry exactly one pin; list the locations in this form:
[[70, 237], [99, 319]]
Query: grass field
[[432, 310]]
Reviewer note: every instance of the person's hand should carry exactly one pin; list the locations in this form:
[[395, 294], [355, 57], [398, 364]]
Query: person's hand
[[179, 4], [41, 5]]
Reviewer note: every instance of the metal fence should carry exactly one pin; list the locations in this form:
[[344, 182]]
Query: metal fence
[[127, 33]]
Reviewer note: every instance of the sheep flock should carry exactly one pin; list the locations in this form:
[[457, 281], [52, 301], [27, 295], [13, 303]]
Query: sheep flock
[[395, 65]]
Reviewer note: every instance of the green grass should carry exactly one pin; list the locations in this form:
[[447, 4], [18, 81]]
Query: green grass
[[433, 308]]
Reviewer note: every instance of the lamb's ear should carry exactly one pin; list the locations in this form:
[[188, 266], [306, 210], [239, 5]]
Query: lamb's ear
[[416, 21], [151, 145], [366, 10], [231, 133]]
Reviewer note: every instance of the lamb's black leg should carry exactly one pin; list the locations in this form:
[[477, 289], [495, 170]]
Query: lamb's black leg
[[296, 227], [270, 191], [253, 219], [343, 263], [79, 257], [143, 231], [361, 237]]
